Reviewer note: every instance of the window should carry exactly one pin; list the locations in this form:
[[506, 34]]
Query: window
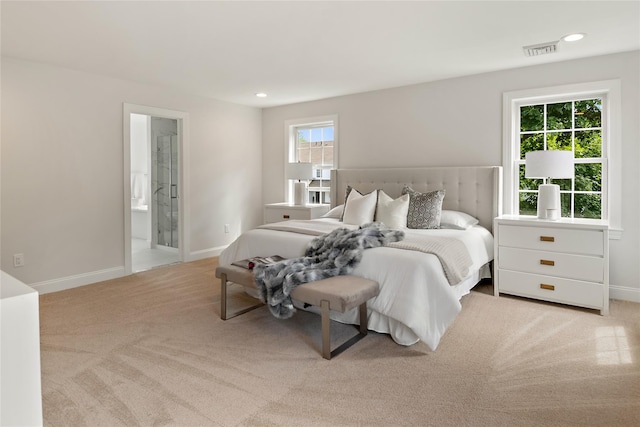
[[314, 141], [583, 119], [573, 125]]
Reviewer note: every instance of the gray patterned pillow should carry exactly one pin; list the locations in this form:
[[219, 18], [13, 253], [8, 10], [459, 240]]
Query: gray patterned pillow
[[425, 209]]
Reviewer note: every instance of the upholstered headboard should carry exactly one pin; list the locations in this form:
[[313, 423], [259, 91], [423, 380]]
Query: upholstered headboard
[[476, 190]]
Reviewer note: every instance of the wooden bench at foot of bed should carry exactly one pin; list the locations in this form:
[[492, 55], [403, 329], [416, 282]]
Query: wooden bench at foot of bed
[[339, 293]]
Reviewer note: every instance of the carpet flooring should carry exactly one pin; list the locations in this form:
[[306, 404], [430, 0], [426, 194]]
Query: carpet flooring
[[150, 349]]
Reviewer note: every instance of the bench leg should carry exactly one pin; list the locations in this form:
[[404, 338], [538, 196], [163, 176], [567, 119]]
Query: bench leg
[[364, 322], [223, 300], [326, 331], [223, 296]]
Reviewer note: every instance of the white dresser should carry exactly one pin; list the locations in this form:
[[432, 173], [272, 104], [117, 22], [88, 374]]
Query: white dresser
[[564, 261], [275, 212]]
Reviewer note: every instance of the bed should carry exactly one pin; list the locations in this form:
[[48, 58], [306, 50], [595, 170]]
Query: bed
[[418, 299]]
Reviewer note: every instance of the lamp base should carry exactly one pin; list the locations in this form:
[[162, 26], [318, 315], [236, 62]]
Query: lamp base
[[549, 202], [300, 193]]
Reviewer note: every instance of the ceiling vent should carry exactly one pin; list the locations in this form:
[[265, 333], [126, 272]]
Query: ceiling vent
[[541, 49]]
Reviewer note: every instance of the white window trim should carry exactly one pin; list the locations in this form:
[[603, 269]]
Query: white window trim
[[289, 143], [612, 102]]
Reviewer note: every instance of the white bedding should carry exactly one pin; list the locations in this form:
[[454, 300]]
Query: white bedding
[[416, 301]]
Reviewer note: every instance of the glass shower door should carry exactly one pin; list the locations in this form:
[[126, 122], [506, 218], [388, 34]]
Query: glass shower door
[[166, 191]]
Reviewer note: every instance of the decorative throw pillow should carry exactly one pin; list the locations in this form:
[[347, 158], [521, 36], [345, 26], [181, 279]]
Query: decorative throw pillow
[[359, 209], [347, 191], [425, 209], [457, 220], [392, 213], [335, 212]]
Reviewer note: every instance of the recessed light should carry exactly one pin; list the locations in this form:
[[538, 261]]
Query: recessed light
[[573, 37], [261, 95]]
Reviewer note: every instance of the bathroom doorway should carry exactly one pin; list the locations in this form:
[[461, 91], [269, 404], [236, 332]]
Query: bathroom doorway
[[153, 227]]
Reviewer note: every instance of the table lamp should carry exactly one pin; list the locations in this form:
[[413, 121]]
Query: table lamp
[[549, 164], [302, 172]]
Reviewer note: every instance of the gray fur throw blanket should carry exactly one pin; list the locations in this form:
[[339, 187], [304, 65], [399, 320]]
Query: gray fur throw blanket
[[332, 254]]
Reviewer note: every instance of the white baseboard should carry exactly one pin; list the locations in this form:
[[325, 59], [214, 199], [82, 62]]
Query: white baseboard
[[206, 253], [624, 293], [77, 280]]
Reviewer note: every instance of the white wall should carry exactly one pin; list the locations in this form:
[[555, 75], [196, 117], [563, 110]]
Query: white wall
[[459, 122], [139, 142], [62, 183], [140, 177]]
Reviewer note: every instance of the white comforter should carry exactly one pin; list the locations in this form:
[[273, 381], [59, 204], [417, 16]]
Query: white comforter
[[416, 301]]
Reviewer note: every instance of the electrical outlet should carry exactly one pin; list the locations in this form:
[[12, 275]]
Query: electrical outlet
[[18, 260], [226, 228]]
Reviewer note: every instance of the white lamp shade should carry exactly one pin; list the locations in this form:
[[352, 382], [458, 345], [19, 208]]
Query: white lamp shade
[[549, 164], [300, 171]]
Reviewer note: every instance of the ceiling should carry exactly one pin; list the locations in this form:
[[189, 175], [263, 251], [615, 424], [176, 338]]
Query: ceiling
[[299, 51]]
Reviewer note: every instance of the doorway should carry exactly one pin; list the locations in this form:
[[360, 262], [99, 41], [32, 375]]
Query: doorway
[[154, 198]]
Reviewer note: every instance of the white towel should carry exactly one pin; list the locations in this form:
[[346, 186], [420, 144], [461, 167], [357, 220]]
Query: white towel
[[138, 183]]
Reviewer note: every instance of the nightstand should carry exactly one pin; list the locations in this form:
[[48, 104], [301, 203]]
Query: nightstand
[[564, 261], [275, 212]]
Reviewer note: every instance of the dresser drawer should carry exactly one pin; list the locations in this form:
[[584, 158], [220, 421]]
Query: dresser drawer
[[579, 267], [277, 215], [554, 289], [587, 242], [276, 212]]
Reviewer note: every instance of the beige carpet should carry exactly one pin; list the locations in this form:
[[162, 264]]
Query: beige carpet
[[150, 349]]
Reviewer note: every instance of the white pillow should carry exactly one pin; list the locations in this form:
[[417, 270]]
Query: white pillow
[[392, 213], [457, 220], [359, 209], [335, 212]]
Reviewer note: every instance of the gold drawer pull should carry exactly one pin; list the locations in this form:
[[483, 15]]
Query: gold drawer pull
[[547, 262], [547, 239], [285, 216], [547, 287]]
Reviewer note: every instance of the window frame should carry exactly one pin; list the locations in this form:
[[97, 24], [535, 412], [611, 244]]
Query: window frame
[[609, 91], [290, 127]]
